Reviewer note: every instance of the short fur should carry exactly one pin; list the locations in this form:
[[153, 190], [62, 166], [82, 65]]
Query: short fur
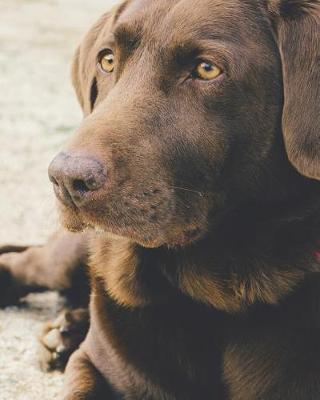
[[205, 280]]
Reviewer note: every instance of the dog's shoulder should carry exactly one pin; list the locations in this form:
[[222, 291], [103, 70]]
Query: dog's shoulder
[[276, 349]]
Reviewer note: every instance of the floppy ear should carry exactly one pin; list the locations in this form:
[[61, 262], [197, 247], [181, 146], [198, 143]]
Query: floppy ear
[[83, 69], [75, 77], [297, 29]]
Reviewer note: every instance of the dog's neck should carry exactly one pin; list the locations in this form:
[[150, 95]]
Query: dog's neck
[[251, 256]]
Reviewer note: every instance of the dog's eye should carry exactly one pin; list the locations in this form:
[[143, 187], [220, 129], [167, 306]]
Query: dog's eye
[[207, 71], [106, 61]]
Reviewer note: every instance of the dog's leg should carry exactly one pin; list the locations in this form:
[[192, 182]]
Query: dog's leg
[[83, 381], [58, 265]]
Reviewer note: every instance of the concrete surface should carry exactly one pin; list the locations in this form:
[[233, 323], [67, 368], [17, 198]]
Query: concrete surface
[[38, 111]]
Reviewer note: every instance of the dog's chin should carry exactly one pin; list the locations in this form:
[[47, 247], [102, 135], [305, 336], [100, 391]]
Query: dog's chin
[[115, 234], [149, 237], [71, 220], [175, 240]]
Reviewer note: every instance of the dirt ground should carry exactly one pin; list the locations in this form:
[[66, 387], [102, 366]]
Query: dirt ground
[[38, 111]]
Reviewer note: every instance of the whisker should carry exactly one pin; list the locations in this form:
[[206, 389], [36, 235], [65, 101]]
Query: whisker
[[188, 190]]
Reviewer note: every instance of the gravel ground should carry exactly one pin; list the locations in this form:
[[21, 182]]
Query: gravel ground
[[38, 111]]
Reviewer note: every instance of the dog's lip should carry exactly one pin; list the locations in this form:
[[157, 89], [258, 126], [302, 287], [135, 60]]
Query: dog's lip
[[89, 221], [174, 239], [128, 233], [181, 239]]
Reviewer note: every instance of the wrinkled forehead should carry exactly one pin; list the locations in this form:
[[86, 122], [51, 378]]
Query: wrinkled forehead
[[173, 20]]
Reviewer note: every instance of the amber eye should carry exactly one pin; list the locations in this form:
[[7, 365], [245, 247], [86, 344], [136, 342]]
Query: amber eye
[[106, 61], [207, 71]]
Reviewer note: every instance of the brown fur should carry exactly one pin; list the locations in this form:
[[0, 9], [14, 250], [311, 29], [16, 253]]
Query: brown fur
[[58, 265], [232, 295], [205, 282], [119, 278]]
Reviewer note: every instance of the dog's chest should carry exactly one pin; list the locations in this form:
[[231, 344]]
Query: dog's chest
[[156, 353]]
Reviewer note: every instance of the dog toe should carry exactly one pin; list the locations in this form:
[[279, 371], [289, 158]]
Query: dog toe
[[61, 338]]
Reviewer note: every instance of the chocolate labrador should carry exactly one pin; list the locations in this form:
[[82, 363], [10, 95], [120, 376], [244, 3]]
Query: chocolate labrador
[[195, 172]]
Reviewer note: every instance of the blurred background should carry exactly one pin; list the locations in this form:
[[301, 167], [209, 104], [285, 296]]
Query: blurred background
[[38, 111]]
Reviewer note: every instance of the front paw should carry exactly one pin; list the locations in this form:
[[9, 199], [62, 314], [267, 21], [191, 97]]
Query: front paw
[[62, 337]]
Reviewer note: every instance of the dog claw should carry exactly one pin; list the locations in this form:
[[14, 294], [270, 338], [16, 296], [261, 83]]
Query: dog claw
[[61, 338]]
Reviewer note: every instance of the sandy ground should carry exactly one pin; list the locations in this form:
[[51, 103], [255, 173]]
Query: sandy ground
[[38, 111]]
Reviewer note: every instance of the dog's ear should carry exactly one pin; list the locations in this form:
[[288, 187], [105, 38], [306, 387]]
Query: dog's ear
[[297, 28], [75, 77], [84, 63], [83, 71]]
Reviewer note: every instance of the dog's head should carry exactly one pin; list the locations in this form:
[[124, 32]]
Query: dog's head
[[188, 110]]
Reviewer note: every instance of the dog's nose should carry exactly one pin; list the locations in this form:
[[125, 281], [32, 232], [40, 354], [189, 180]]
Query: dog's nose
[[76, 177]]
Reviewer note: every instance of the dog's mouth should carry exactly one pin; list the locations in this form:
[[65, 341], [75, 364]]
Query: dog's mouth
[[149, 212], [159, 230]]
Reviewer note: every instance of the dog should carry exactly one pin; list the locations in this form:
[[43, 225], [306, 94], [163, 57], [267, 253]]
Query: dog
[[195, 179]]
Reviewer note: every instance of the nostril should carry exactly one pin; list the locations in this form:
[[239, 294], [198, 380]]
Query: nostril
[[78, 185]]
